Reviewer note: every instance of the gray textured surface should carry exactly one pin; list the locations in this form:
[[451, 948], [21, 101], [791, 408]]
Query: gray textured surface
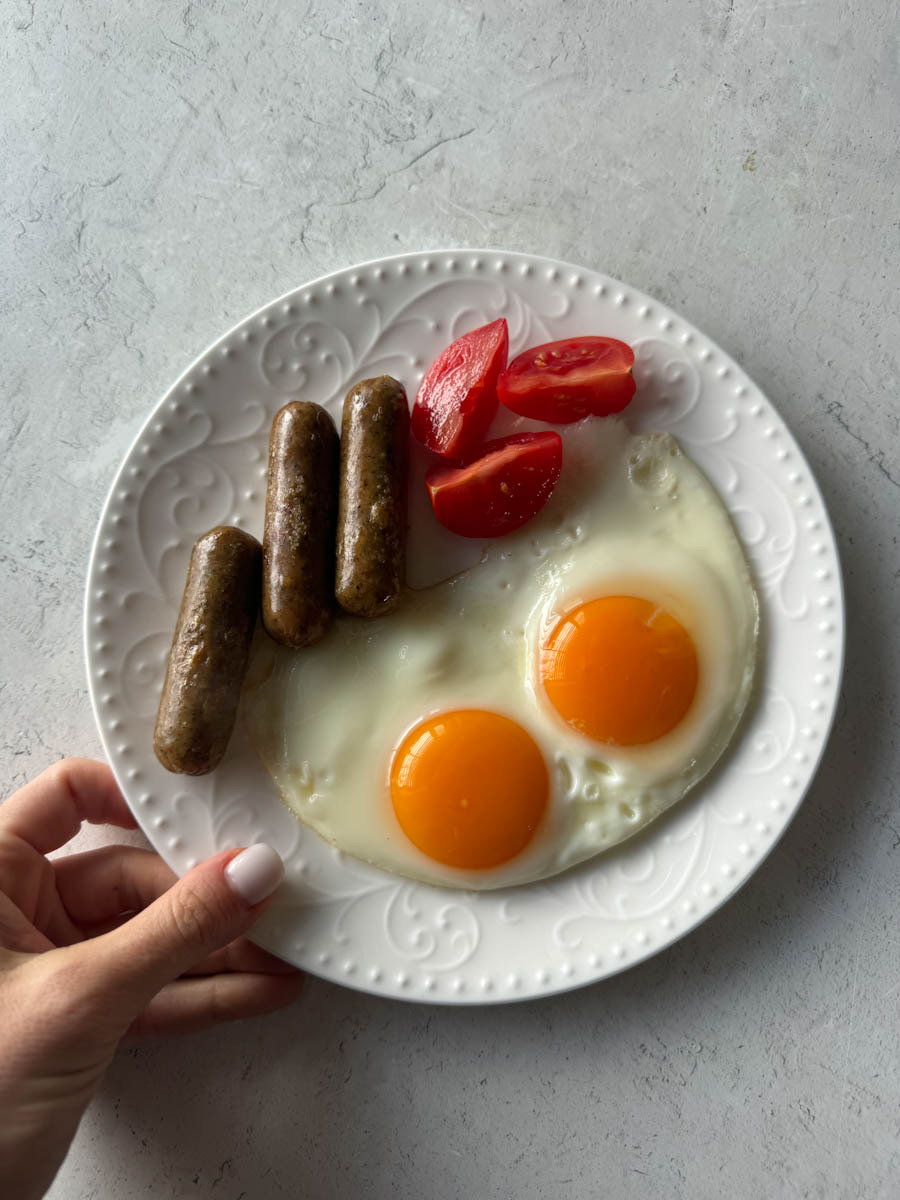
[[168, 168]]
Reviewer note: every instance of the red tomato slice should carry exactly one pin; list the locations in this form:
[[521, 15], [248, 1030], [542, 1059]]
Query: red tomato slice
[[457, 399], [500, 491], [564, 381]]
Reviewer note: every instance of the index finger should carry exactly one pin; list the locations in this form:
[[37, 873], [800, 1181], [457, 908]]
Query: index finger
[[48, 812]]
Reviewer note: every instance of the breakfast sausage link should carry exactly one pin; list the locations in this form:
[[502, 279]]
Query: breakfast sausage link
[[371, 533], [209, 652], [298, 540]]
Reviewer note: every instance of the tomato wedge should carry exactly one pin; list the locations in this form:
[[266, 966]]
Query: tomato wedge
[[564, 381], [457, 399], [500, 491]]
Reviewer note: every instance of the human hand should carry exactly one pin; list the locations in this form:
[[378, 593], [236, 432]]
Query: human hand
[[96, 944]]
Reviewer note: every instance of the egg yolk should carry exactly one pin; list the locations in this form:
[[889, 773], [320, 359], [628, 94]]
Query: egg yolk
[[469, 788], [620, 670]]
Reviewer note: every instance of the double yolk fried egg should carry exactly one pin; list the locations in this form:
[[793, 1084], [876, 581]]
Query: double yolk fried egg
[[539, 706]]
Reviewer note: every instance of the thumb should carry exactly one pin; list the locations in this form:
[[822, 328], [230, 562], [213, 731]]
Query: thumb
[[207, 908]]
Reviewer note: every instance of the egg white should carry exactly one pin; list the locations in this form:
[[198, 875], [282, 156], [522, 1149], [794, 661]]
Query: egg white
[[631, 515]]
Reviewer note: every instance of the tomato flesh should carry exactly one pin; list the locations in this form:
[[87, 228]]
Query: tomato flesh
[[500, 491], [457, 399], [561, 382]]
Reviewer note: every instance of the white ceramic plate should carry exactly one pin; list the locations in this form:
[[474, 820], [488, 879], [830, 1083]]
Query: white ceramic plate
[[200, 460]]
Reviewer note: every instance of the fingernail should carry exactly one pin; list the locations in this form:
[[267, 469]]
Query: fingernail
[[255, 873]]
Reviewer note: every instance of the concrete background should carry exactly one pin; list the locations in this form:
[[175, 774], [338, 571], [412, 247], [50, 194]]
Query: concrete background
[[169, 167]]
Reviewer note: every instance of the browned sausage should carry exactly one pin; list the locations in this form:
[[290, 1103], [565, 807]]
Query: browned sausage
[[209, 652], [301, 510], [371, 532]]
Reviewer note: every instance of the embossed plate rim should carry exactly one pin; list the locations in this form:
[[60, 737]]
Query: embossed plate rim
[[460, 983]]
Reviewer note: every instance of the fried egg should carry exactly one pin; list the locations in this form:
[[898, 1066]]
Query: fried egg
[[539, 706]]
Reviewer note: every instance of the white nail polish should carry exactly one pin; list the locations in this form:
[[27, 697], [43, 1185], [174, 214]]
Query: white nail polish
[[255, 873]]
